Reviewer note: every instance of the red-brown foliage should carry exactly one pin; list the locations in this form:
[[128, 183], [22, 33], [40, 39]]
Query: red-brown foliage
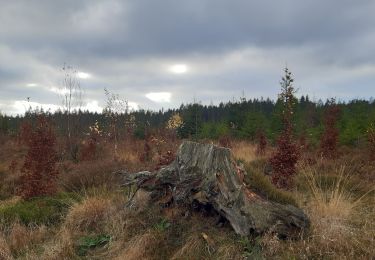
[[284, 161], [146, 155], [39, 169], [89, 150], [24, 133], [13, 166], [286, 156], [262, 143], [329, 139], [165, 159], [225, 141]]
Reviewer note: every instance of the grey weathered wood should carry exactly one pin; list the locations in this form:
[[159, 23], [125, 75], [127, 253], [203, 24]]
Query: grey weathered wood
[[208, 174]]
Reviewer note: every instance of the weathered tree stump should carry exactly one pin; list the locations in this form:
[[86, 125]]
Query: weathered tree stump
[[208, 175]]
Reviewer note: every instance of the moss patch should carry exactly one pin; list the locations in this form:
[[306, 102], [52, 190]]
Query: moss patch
[[41, 210], [262, 184]]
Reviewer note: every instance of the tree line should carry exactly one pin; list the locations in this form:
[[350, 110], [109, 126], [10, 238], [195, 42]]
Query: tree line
[[241, 119]]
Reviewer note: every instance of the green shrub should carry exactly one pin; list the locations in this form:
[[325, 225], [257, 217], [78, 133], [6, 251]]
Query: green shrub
[[39, 210], [252, 248], [90, 242], [162, 225], [262, 184]]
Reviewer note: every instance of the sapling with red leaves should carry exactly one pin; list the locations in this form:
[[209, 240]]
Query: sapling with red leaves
[[286, 156], [39, 170], [329, 139], [262, 143]]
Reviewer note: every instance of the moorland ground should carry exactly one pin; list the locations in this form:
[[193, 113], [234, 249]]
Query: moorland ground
[[86, 218]]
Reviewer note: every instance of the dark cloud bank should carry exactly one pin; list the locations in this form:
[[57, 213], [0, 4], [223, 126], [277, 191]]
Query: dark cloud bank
[[227, 47]]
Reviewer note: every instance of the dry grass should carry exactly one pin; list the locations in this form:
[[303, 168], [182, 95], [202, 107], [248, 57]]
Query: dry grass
[[342, 225], [10, 201], [194, 247], [5, 252], [229, 251], [86, 175], [342, 219], [20, 240], [140, 247], [89, 215], [244, 151], [21, 237], [61, 247]]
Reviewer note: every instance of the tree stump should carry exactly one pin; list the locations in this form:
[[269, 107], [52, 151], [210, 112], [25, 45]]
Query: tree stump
[[208, 175]]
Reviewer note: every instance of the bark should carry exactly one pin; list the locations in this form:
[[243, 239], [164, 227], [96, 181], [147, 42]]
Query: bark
[[208, 175]]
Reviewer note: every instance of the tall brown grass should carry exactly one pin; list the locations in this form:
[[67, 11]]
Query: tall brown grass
[[22, 237], [341, 220], [244, 151], [5, 252], [89, 215]]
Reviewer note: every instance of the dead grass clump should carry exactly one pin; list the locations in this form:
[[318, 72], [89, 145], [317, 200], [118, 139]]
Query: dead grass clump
[[334, 201], [89, 215], [229, 251], [194, 248], [5, 252], [341, 221], [244, 151], [271, 245], [143, 246], [22, 237], [62, 247]]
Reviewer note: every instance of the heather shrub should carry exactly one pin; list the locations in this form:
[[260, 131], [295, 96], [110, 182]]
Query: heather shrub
[[90, 174], [38, 210], [39, 169]]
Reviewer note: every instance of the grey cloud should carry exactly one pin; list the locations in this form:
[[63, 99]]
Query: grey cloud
[[230, 45]]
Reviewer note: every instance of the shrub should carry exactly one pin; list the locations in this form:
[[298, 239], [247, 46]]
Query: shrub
[[146, 155], [286, 156], [262, 143], [90, 148], [24, 133], [329, 139], [39, 169], [90, 174], [90, 242], [225, 141]]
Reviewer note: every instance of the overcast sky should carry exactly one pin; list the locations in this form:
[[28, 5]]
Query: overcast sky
[[161, 53]]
